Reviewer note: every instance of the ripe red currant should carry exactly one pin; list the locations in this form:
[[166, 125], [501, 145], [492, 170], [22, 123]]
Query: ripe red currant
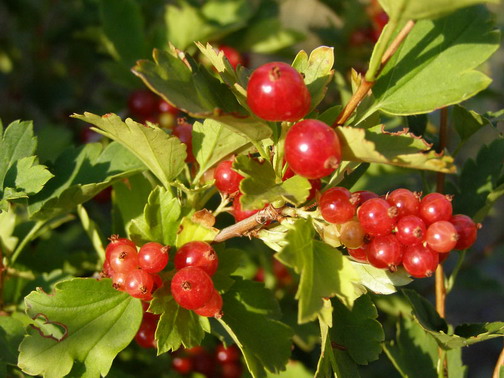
[[197, 253], [335, 205], [420, 261], [139, 284], [182, 365], [213, 308], [231, 370], [153, 257], [142, 103], [377, 217], [115, 241], [183, 131], [233, 56], [227, 180], [226, 355], [363, 196], [405, 200], [360, 253], [467, 231], [145, 336], [118, 280], [165, 107], [192, 287], [441, 236], [312, 149], [435, 207], [277, 92], [123, 258], [410, 230], [385, 252]]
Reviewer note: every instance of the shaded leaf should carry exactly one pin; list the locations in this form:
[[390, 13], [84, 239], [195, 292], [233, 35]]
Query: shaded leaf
[[401, 149], [164, 155], [324, 271], [264, 342], [467, 122], [11, 334], [424, 311], [85, 321], [26, 177], [267, 35]]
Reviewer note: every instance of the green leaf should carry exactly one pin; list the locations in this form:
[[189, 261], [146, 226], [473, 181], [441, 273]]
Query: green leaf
[[124, 28], [481, 181], [260, 184], [160, 221], [324, 271], [266, 36], [212, 141], [380, 281], [27, 177], [11, 334], [357, 330], [317, 71], [84, 321], [467, 334], [401, 149], [455, 366], [177, 326], [417, 10], [164, 155], [191, 230], [80, 174], [295, 369], [467, 122], [414, 353], [264, 342], [434, 67], [424, 311]]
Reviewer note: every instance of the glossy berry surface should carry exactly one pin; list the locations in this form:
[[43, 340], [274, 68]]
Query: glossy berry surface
[[441, 236], [145, 334], [359, 254], [335, 205], [435, 207], [227, 180], [166, 107], [312, 149], [139, 284], [123, 258], [183, 131], [467, 231], [192, 287], [363, 195], [420, 261], [277, 92], [377, 217], [142, 103], [197, 253], [352, 234], [182, 365], [226, 355], [212, 308], [115, 241], [410, 230], [153, 257], [406, 202], [385, 252]]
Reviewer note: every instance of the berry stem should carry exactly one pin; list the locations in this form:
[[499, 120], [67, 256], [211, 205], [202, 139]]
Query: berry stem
[[366, 85]]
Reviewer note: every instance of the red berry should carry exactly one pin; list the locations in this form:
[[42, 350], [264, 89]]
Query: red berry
[[420, 261], [385, 252], [115, 240], [183, 131], [197, 253], [142, 103], [363, 196], [441, 236], [145, 337], [118, 280], [410, 230], [153, 257], [359, 254], [352, 234], [213, 308], [192, 287], [232, 55], [204, 364], [277, 92], [226, 355], [182, 365], [335, 205], [377, 217], [123, 258], [435, 207], [231, 370], [165, 107], [139, 284], [238, 213], [227, 180], [467, 231], [106, 270], [312, 149], [405, 200]]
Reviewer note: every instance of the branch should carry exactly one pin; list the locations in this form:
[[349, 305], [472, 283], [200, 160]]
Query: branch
[[365, 85]]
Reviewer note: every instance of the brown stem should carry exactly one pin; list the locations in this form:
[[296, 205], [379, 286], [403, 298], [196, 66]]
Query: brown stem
[[241, 228], [365, 85], [499, 365], [440, 291], [2, 268]]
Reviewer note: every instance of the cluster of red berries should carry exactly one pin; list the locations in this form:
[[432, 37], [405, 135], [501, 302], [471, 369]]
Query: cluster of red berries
[[401, 229], [192, 286], [144, 105], [134, 271], [145, 336], [370, 34], [221, 363]]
